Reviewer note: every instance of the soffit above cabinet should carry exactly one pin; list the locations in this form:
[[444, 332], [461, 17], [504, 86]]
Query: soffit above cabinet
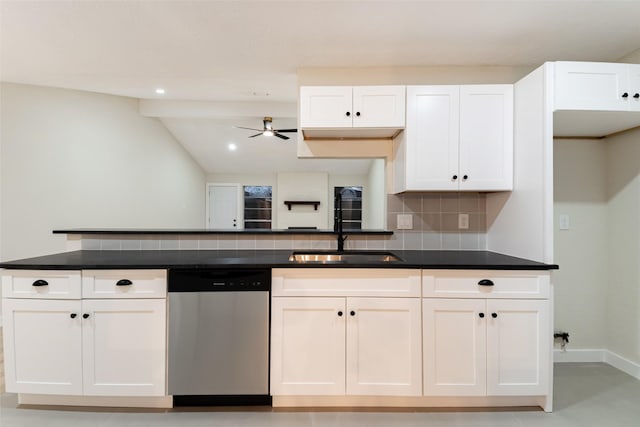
[[598, 124]]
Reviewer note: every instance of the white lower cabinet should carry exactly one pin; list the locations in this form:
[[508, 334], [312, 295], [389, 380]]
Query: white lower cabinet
[[124, 347], [42, 346], [91, 347], [486, 347], [368, 346], [308, 346], [355, 346]]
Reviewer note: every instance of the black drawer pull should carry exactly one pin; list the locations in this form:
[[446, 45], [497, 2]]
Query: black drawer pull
[[73, 315], [494, 315], [481, 315], [353, 313], [625, 95], [485, 282], [85, 316], [40, 282], [340, 314], [124, 282]]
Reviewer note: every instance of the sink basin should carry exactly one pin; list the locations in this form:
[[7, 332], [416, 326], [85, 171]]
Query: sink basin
[[326, 257]]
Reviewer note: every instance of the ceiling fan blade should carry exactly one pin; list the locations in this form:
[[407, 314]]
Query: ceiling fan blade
[[242, 127], [280, 136], [287, 130], [257, 134]]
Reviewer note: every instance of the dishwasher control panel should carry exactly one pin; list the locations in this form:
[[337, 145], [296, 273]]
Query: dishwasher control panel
[[219, 280]]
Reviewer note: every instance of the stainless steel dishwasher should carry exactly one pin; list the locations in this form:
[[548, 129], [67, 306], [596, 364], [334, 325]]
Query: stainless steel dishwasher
[[219, 336]]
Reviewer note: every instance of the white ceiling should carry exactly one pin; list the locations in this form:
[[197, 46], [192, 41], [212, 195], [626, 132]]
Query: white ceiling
[[250, 51]]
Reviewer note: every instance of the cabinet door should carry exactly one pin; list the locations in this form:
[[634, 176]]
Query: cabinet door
[[634, 87], [590, 86], [384, 347], [432, 137], [518, 340], [124, 347], [42, 346], [325, 106], [454, 347], [378, 106], [308, 346], [486, 138]]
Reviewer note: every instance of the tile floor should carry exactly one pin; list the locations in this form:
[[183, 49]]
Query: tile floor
[[586, 394]]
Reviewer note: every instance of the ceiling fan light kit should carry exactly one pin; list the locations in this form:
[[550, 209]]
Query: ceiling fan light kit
[[268, 130]]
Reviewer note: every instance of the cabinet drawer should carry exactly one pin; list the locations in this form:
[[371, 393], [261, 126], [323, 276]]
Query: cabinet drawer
[[124, 284], [49, 284], [345, 282], [502, 284]]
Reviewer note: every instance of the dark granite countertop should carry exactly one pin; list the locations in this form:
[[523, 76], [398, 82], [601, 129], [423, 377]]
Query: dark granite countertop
[[141, 259], [192, 231]]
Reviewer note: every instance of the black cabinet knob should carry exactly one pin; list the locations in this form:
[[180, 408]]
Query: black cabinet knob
[[625, 95], [636, 96], [348, 114], [353, 313], [73, 315], [340, 314], [485, 282], [494, 315], [357, 113], [40, 282], [454, 177], [124, 282], [85, 316], [465, 177], [481, 315]]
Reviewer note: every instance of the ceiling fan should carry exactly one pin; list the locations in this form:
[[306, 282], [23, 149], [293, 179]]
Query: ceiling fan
[[268, 129]]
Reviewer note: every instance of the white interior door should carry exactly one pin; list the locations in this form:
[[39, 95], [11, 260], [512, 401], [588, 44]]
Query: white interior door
[[224, 206]]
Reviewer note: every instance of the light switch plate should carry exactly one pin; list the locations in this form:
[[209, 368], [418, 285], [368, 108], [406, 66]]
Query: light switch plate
[[563, 222], [463, 221], [405, 221]]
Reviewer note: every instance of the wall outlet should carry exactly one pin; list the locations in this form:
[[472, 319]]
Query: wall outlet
[[563, 222], [463, 221], [405, 221]]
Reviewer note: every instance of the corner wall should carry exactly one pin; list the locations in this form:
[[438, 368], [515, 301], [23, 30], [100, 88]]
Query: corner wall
[[78, 159], [582, 282], [623, 226]]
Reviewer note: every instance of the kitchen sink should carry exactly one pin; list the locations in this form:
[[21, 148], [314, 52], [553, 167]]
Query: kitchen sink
[[328, 257]]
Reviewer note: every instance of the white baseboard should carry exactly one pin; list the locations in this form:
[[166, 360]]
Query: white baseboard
[[625, 365], [598, 355]]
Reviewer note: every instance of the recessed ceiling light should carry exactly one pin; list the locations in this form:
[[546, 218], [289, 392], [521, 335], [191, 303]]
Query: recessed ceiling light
[[160, 91], [232, 147]]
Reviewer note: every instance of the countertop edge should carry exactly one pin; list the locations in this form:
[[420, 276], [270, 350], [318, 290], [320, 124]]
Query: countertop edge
[[216, 259]]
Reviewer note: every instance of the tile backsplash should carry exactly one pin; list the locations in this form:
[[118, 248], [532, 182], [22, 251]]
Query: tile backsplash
[[434, 218]]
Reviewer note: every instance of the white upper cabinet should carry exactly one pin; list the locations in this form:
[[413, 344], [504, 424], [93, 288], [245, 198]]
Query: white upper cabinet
[[351, 111], [597, 86], [325, 106], [595, 99], [457, 138], [378, 106]]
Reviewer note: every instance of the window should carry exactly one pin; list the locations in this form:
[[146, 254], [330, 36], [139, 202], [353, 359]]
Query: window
[[257, 206], [351, 207]]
